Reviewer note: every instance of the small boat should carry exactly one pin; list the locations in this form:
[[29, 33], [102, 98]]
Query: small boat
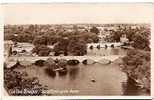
[[58, 69], [63, 71], [93, 80]]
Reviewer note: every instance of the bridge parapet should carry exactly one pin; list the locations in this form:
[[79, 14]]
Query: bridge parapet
[[116, 44], [79, 58]]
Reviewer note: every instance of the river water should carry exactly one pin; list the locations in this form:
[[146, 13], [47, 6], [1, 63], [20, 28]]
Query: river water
[[95, 79]]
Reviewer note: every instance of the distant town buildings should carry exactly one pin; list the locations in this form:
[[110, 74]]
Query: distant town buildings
[[105, 31]]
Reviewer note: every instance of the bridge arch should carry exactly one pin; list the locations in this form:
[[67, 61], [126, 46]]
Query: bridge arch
[[104, 61]]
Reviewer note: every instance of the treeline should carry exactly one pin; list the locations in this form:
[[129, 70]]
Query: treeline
[[18, 84], [51, 34], [65, 42], [137, 62], [66, 46], [139, 37]]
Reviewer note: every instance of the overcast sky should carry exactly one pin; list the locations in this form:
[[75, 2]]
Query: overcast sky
[[77, 13]]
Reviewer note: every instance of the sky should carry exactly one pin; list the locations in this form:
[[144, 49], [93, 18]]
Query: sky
[[77, 13]]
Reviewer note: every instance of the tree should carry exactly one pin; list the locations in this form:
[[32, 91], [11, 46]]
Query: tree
[[137, 65], [50, 63], [61, 46], [88, 37], [141, 40], [40, 40], [139, 36], [77, 47], [116, 36], [52, 39], [94, 30], [24, 37], [17, 81], [41, 50]]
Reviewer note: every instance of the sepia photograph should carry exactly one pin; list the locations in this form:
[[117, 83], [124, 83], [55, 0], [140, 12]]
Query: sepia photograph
[[77, 49]]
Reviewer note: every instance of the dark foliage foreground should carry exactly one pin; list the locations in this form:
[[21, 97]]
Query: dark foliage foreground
[[137, 66], [17, 84]]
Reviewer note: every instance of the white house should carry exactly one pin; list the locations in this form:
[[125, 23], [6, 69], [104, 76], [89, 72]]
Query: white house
[[124, 39]]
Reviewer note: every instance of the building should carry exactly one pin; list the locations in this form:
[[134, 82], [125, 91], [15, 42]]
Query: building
[[124, 39], [22, 49]]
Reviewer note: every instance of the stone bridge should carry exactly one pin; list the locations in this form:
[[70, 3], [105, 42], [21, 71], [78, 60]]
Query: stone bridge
[[79, 58], [102, 45]]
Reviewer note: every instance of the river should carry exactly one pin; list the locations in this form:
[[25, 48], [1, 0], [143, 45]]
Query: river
[[95, 79], [106, 51]]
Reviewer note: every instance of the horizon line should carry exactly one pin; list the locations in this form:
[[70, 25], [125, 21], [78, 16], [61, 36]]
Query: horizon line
[[79, 23]]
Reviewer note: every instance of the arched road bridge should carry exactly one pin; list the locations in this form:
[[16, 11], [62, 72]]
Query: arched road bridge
[[102, 45], [79, 58]]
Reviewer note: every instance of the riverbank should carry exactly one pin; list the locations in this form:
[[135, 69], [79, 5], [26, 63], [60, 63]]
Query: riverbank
[[103, 76], [136, 64], [19, 83], [85, 72]]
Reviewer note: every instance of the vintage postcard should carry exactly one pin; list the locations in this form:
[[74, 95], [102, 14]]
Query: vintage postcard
[[77, 49]]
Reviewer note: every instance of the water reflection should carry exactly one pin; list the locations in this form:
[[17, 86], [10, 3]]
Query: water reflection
[[130, 88], [106, 51], [109, 79], [115, 51], [73, 72], [50, 72]]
